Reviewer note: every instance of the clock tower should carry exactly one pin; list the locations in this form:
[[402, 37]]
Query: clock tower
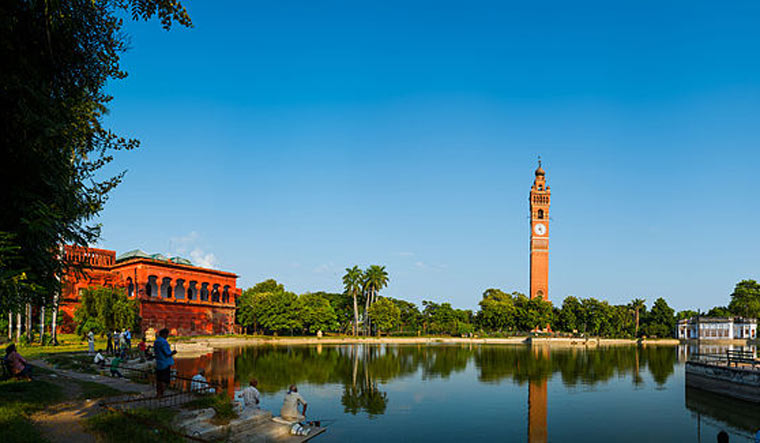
[[540, 196]]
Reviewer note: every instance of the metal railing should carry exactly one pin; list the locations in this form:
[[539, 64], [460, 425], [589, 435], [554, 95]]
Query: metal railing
[[178, 392]]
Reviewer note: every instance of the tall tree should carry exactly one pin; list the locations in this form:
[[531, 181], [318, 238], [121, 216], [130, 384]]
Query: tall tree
[[104, 309], [352, 284], [385, 315], [58, 57], [375, 279], [745, 300], [315, 313], [661, 320], [497, 311], [636, 306]]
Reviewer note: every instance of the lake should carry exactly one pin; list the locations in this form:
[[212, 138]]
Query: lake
[[374, 393]]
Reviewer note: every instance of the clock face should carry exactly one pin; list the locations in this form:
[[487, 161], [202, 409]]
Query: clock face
[[539, 229]]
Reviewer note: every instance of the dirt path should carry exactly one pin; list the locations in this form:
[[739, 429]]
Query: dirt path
[[62, 422]]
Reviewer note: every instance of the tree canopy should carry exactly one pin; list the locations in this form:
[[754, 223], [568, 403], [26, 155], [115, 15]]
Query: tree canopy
[[103, 309], [57, 59], [745, 300]]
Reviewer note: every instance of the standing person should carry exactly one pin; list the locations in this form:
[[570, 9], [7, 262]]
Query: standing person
[[122, 340], [251, 395], [91, 341], [289, 409], [128, 338], [164, 361], [142, 347], [109, 346]]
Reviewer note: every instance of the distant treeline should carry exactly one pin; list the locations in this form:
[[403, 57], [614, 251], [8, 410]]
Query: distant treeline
[[269, 308]]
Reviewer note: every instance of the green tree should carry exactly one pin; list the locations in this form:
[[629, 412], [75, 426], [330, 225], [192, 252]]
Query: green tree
[[375, 279], [497, 311], [719, 311], [58, 57], [683, 315], [104, 309], [352, 284], [343, 310], [384, 314], [411, 317], [661, 320], [315, 313], [745, 300], [572, 316], [277, 311], [269, 306]]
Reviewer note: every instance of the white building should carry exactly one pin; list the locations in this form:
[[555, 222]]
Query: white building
[[717, 328]]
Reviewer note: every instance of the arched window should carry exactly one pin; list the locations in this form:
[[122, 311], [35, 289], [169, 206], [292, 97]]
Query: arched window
[[540, 213], [166, 287], [540, 293], [151, 288], [130, 287], [192, 291], [179, 289]]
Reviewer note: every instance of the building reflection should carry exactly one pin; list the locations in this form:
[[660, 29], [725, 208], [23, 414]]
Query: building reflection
[[219, 367], [722, 411], [537, 402]]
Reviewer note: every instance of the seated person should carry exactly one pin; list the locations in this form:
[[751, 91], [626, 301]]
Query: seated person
[[200, 384], [289, 409], [100, 360], [115, 365], [18, 366], [251, 395]]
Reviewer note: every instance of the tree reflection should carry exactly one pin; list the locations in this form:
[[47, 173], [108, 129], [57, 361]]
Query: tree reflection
[[363, 369]]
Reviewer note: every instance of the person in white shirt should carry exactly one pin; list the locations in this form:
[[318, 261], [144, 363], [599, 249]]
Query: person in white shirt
[[251, 395], [100, 360], [91, 342], [289, 409], [200, 384]]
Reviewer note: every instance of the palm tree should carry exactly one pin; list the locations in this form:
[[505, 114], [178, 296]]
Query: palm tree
[[636, 306], [352, 282], [375, 279]]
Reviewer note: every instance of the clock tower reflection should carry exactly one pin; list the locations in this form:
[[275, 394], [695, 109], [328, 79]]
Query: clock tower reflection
[[537, 403]]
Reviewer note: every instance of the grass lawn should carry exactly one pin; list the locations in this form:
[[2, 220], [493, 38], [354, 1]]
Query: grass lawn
[[67, 343], [92, 390], [20, 399], [140, 426]]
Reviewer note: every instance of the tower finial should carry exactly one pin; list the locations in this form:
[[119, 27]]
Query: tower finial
[[539, 161]]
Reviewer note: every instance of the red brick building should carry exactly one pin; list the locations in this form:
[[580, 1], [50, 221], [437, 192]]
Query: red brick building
[[173, 293]]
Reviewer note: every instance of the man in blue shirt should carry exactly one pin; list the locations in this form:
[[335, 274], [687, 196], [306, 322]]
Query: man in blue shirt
[[164, 361], [128, 337]]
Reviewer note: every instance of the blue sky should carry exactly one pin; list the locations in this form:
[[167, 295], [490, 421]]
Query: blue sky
[[293, 139]]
